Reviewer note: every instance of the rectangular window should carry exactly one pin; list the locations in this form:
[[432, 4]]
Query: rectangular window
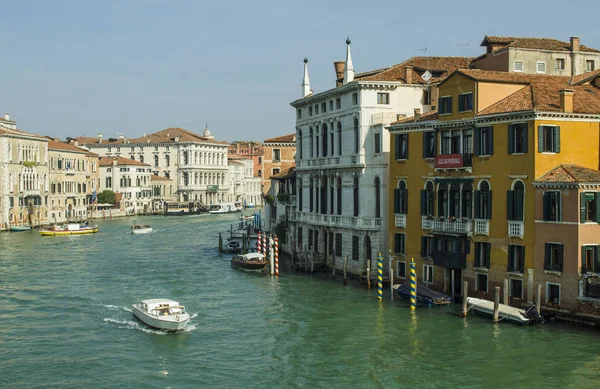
[[560, 63], [552, 293], [516, 288], [383, 98], [401, 269], [482, 282], [276, 155], [553, 257], [310, 238], [484, 141], [310, 111], [590, 66], [426, 247], [428, 144], [518, 67], [276, 171], [446, 143], [299, 238], [516, 258], [465, 102], [338, 245], [482, 255], [377, 141], [316, 109], [517, 138], [338, 103], [590, 207], [399, 243], [299, 114], [354, 98], [540, 67], [323, 107], [590, 259], [445, 104], [331, 105], [401, 151], [427, 274], [549, 139], [355, 248], [426, 97], [552, 206]]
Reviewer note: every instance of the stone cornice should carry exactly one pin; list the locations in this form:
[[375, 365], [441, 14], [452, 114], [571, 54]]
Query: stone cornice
[[354, 85]]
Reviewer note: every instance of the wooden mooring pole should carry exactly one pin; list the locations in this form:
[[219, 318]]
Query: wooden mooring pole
[[391, 281], [505, 292], [346, 270], [496, 303], [538, 298], [368, 277], [333, 268], [452, 285], [464, 300]]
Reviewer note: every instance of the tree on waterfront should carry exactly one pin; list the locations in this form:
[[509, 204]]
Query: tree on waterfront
[[107, 197]]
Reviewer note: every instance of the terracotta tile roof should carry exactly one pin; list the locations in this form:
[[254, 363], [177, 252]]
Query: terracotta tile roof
[[7, 131], [108, 161], [521, 100], [154, 177], [534, 43], [570, 173], [584, 77], [290, 173], [54, 144], [165, 136], [290, 138], [431, 115], [440, 67]]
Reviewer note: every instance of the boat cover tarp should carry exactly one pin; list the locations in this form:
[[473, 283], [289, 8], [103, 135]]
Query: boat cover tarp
[[423, 292]]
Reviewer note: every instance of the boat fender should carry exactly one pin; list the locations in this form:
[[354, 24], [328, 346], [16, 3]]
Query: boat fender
[[177, 317]]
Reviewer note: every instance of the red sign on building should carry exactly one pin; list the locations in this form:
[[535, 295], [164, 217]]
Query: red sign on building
[[449, 161]]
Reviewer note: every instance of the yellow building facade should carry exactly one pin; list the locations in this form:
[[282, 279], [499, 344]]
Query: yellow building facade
[[461, 178]]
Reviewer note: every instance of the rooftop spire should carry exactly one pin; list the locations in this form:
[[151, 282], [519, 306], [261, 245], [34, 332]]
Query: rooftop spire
[[349, 69], [305, 80]]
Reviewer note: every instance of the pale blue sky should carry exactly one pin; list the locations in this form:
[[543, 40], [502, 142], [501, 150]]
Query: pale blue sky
[[78, 67]]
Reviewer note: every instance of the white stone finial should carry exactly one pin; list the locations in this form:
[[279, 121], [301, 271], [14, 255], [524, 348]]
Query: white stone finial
[[349, 70], [305, 80]]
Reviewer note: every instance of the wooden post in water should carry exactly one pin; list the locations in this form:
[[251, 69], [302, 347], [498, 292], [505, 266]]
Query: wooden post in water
[[368, 277], [244, 244], [452, 285], [345, 270], [496, 303], [391, 281], [465, 290], [220, 243], [333, 268], [505, 291], [312, 262], [230, 231], [538, 298]]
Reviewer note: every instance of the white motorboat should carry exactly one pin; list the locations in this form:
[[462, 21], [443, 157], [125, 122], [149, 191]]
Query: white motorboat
[[505, 312], [141, 229], [225, 208], [164, 314]]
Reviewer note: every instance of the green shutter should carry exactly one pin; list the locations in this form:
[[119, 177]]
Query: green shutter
[[490, 141], [511, 253], [525, 139], [547, 256], [597, 195], [510, 214], [396, 200], [511, 138], [397, 146], [489, 204], [582, 207], [559, 206], [583, 250], [561, 250], [423, 202], [546, 206], [404, 195], [541, 139], [522, 264], [461, 103], [477, 204], [597, 257], [477, 135], [557, 139], [424, 144], [488, 252]]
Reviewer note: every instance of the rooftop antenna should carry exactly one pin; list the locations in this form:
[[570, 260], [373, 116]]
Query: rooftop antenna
[[427, 75], [468, 48]]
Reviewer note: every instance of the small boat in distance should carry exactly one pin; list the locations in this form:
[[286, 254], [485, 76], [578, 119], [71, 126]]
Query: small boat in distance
[[20, 228], [69, 229], [141, 229], [163, 314], [249, 262], [505, 312], [425, 296], [225, 208]]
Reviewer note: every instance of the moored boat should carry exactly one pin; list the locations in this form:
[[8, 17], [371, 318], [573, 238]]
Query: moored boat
[[425, 297], [69, 229], [20, 228], [505, 312], [225, 208], [164, 314], [141, 229], [249, 262]]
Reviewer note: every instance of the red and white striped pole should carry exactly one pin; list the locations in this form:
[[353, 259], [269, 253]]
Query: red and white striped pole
[[276, 256], [258, 244], [264, 245]]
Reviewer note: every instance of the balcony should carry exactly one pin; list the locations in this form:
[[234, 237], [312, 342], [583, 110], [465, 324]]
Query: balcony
[[481, 227], [454, 161], [400, 220], [330, 162], [339, 221], [516, 229], [385, 117], [450, 226]]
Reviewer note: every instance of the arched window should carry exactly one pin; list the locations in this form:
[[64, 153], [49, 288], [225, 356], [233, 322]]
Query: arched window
[[186, 179], [454, 201], [156, 160], [299, 143], [377, 197], [339, 196], [401, 198], [324, 139], [185, 158], [442, 200], [331, 141], [356, 199], [356, 137], [339, 139], [310, 143], [483, 201], [515, 202], [324, 195]]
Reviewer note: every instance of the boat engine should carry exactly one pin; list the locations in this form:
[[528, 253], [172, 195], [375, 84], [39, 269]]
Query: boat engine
[[533, 315]]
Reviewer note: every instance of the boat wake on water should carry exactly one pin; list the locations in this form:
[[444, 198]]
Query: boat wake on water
[[133, 325], [116, 308]]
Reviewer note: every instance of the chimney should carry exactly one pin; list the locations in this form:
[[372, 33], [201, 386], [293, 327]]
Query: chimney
[[400, 116], [99, 138], [7, 117], [409, 72], [566, 100], [76, 143], [417, 114], [575, 43], [339, 72]]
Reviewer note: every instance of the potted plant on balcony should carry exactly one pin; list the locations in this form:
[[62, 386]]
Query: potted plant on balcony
[[465, 219], [429, 217], [452, 218], [442, 218]]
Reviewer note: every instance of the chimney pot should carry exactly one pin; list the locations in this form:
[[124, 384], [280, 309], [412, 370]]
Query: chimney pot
[[339, 72], [575, 43], [400, 116], [409, 73], [417, 114], [566, 100], [6, 116], [99, 138]]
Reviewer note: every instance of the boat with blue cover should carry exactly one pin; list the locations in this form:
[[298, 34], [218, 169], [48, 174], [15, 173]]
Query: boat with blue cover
[[425, 297]]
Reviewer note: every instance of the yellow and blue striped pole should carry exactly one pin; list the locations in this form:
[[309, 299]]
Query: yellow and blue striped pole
[[380, 277], [413, 284]]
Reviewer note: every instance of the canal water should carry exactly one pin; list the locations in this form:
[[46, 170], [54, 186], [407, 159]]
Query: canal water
[[66, 322]]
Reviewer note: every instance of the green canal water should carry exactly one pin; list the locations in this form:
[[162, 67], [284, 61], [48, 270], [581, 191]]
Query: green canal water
[[65, 322]]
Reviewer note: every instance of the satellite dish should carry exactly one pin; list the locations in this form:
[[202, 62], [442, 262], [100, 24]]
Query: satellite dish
[[426, 76]]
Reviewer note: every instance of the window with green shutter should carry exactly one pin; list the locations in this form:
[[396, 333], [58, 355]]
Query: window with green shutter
[[552, 206], [428, 144], [445, 104], [553, 257], [549, 139], [589, 205], [517, 138], [465, 102], [484, 141]]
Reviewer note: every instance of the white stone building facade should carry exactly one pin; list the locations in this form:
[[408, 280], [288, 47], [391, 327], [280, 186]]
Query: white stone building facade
[[131, 179], [244, 187]]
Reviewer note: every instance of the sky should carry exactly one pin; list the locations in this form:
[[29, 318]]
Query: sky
[[79, 68]]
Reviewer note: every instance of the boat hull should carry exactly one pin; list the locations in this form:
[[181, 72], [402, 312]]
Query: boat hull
[[74, 232], [169, 323], [505, 313], [249, 266], [142, 231], [20, 229]]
